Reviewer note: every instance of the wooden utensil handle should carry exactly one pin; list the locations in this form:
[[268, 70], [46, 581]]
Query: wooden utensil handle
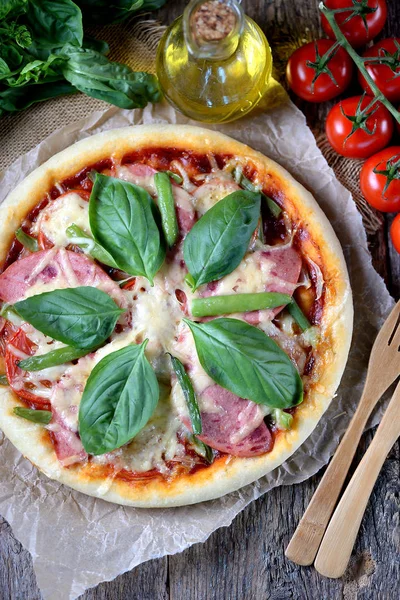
[[305, 542], [338, 542]]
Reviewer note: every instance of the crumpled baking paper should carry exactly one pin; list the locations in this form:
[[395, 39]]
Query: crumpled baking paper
[[77, 541]]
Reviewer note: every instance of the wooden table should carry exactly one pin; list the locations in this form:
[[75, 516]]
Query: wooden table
[[246, 561]]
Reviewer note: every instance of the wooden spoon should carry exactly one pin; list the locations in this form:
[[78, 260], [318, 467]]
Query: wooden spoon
[[335, 550]]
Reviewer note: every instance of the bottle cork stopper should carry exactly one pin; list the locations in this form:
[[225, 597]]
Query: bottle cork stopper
[[212, 21]]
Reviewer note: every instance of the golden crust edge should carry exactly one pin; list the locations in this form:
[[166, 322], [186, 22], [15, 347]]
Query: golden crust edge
[[222, 477]]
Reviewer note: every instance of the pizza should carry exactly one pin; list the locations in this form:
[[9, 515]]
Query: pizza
[[176, 315]]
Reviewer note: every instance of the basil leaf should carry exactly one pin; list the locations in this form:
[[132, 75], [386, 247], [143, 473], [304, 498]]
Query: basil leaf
[[3, 380], [188, 392], [29, 242], [120, 396], [88, 245], [106, 11], [19, 98], [82, 317], [55, 22], [217, 243], [123, 219], [94, 75], [36, 416], [51, 359], [244, 360], [246, 184]]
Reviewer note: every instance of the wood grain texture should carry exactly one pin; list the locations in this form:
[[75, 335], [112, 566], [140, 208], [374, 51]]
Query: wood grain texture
[[246, 561]]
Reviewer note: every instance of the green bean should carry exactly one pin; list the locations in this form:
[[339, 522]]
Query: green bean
[[274, 208], [79, 237], [36, 416], [51, 359], [282, 419], [166, 205], [298, 315], [188, 392], [177, 178], [3, 380], [202, 449], [223, 305], [29, 242]]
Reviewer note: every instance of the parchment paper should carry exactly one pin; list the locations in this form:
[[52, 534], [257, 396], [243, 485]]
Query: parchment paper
[[77, 541]]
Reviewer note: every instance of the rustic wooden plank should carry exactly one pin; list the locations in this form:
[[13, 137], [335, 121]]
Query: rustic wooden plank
[[246, 560]]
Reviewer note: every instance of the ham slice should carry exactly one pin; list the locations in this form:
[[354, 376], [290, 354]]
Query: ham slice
[[232, 424], [67, 444], [59, 268]]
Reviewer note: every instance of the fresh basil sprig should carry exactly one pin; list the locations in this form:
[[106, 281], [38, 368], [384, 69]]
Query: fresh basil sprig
[[244, 360], [36, 416], [51, 359], [217, 243], [82, 317], [88, 245], [119, 398], [124, 220], [188, 392]]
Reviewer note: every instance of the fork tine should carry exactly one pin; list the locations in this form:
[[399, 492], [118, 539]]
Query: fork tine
[[389, 327]]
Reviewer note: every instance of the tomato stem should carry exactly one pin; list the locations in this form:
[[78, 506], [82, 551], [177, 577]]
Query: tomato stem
[[359, 61]]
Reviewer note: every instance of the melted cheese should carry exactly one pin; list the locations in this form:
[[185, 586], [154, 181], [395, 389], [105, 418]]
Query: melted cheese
[[61, 213]]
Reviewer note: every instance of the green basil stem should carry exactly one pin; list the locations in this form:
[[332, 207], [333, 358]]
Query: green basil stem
[[250, 187], [177, 178], [359, 61], [51, 359], [43, 417], [188, 392], [3, 380], [88, 244], [298, 315], [166, 204], [213, 306], [29, 242]]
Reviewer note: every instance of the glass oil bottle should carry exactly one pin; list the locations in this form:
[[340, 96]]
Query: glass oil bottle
[[214, 63]]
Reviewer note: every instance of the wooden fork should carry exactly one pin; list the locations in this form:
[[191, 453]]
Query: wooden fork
[[383, 369], [335, 550]]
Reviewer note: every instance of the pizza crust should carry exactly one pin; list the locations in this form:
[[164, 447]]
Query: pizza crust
[[226, 474]]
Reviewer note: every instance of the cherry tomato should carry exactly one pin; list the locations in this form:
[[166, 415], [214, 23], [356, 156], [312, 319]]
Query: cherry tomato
[[372, 128], [316, 79], [380, 180], [386, 77], [375, 13], [395, 233]]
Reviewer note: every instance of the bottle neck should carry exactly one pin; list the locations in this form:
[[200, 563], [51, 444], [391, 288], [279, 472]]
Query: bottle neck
[[212, 28]]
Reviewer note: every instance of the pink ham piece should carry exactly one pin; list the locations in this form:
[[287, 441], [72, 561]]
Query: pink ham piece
[[233, 425], [67, 444], [43, 267]]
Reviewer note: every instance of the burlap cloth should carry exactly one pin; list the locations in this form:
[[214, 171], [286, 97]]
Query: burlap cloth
[[134, 43]]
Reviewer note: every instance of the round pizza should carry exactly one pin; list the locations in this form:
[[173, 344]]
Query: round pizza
[[176, 315]]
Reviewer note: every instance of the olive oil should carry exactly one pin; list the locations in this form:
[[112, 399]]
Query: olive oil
[[214, 63]]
